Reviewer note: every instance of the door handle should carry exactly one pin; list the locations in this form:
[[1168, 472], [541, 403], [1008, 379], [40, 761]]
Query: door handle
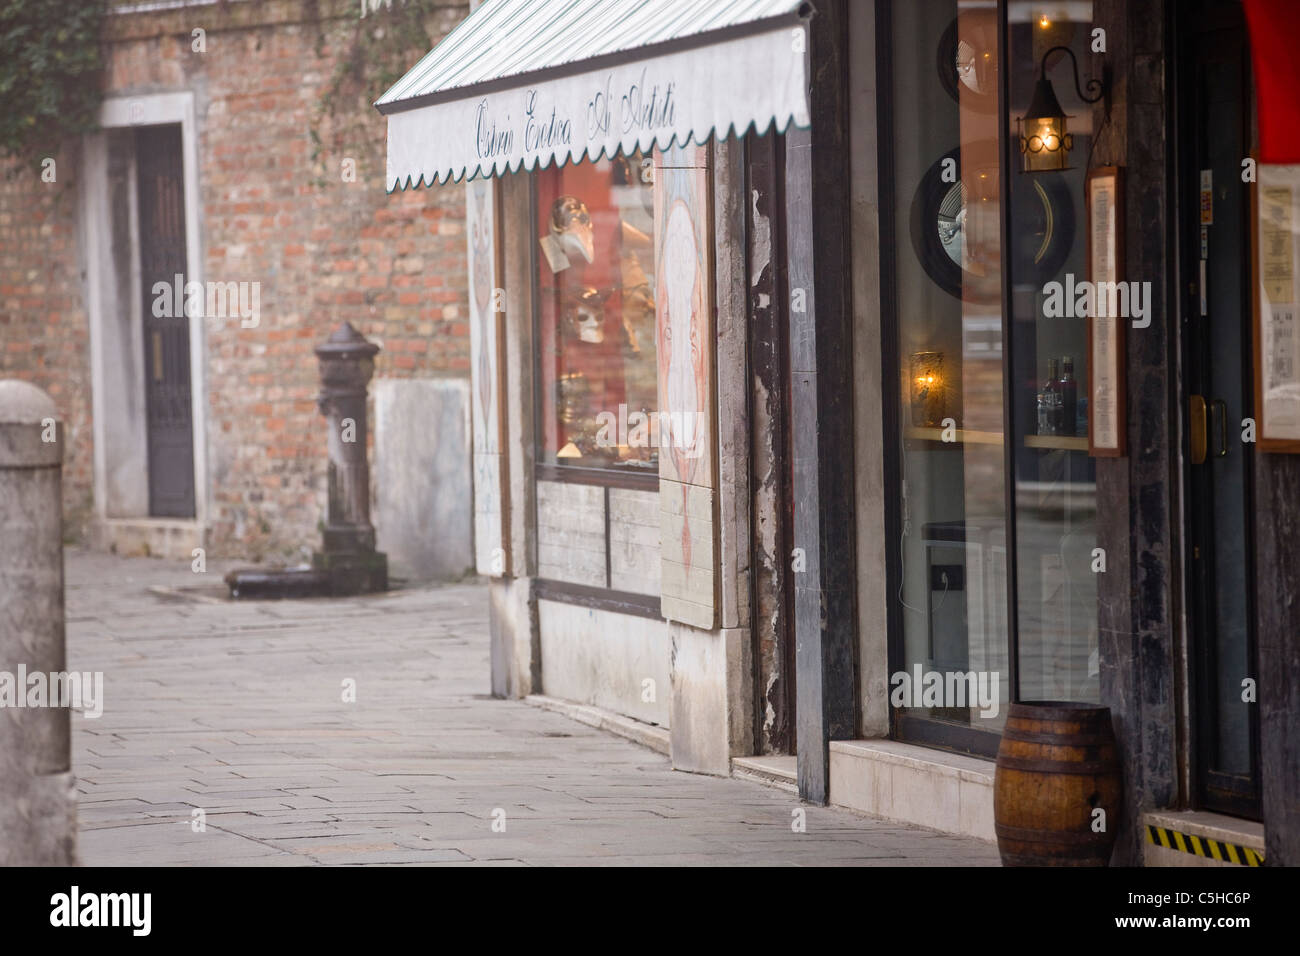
[[1221, 407], [1197, 438]]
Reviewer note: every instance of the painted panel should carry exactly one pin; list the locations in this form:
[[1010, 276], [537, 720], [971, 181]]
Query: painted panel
[[688, 535], [486, 342], [685, 328]]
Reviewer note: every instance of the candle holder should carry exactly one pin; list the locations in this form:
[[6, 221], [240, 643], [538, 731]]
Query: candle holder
[[927, 389]]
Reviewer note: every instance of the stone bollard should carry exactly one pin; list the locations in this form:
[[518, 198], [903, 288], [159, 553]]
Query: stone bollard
[[348, 555], [38, 794]]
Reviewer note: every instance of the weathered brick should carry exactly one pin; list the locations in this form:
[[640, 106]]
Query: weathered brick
[[323, 255]]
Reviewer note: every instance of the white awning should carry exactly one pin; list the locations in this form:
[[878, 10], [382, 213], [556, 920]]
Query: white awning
[[531, 82]]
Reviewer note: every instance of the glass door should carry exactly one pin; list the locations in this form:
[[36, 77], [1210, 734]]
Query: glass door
[[1215, 91]]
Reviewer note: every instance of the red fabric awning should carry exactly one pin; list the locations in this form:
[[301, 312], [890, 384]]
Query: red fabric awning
[[1275, 51]]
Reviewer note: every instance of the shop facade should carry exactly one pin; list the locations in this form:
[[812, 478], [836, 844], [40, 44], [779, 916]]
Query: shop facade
[[1076, 504], [827, 402]]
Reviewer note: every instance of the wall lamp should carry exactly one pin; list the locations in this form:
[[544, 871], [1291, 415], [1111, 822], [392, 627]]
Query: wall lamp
[[1045, 143]]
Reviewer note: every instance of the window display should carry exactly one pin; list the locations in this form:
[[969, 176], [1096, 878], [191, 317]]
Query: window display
[[1056, 490], [596, 314], [952, 595], [993, 370]]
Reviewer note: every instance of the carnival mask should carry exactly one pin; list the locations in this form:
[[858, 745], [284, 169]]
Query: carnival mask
[[585, 314], [571, 227]]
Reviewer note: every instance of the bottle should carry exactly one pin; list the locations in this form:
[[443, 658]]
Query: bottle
[[1043, 414], [1069, 397], [1052, 401]]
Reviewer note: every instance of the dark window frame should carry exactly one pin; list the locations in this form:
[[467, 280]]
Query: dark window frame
[[554, 470], [582, 595], [915, 728]]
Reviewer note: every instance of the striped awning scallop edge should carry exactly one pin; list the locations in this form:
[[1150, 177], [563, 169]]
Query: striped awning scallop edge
[[527, 83]]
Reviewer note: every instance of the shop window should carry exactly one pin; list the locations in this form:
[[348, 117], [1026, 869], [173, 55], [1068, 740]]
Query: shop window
[[1055, 479], [596, 316], [951, 596], [988, 605]]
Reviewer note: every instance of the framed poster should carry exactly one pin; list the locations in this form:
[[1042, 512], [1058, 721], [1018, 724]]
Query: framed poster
[[1275, 264], [1107, 385]]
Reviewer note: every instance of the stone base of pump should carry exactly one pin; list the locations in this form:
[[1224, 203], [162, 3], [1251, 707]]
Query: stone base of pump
[[331, 574]]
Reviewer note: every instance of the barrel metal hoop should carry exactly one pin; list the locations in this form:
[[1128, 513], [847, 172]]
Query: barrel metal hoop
[[1058, 740], [1048, 836], [1035, 765], [1064, 711]]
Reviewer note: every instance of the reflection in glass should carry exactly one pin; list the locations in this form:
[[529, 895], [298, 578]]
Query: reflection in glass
[[953, 591], [597, 314], [1055, 482], [951, 220]]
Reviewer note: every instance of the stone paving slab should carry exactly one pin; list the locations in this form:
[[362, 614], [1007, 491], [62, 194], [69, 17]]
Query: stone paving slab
[[236, 709]]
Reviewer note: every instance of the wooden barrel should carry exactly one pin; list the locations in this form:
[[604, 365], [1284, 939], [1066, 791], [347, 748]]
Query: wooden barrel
[[1057, 764]]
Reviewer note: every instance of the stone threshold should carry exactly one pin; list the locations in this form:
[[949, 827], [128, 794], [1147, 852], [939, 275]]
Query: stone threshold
[[906, 783], [639, 732], [1200, 838], [147, 537], [771, 770]]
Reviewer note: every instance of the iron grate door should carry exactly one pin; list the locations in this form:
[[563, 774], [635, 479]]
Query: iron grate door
[[161, 190]]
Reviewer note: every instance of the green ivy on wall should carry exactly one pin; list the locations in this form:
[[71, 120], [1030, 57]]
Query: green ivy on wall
[[50, 57], [377, 51]]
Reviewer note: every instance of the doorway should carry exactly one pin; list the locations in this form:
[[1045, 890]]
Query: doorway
[[1214, 136], [151, 494], [160, 191]]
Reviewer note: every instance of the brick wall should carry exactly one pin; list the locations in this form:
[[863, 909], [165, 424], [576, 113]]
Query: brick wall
[[323, 249], [44, 337]]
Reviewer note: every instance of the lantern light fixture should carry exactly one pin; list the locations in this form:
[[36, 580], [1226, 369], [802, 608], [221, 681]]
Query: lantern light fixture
[[1045, 140]]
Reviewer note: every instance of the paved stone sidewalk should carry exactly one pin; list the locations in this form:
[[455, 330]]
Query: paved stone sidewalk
[[236, 709]]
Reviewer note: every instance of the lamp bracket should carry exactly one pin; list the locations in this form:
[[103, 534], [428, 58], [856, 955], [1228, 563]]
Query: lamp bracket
[[1094, 86]]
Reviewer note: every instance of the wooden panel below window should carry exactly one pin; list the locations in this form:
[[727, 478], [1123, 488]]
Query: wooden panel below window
[[571, 533], [689, 558], [634, 541]]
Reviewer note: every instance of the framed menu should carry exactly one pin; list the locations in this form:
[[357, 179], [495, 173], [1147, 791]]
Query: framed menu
[[1107, 386], [1275, 259]]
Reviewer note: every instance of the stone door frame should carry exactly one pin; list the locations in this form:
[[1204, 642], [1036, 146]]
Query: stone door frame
[[120, 519]]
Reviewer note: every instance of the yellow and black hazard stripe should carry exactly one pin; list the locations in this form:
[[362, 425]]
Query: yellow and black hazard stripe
[[1204, 846]]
